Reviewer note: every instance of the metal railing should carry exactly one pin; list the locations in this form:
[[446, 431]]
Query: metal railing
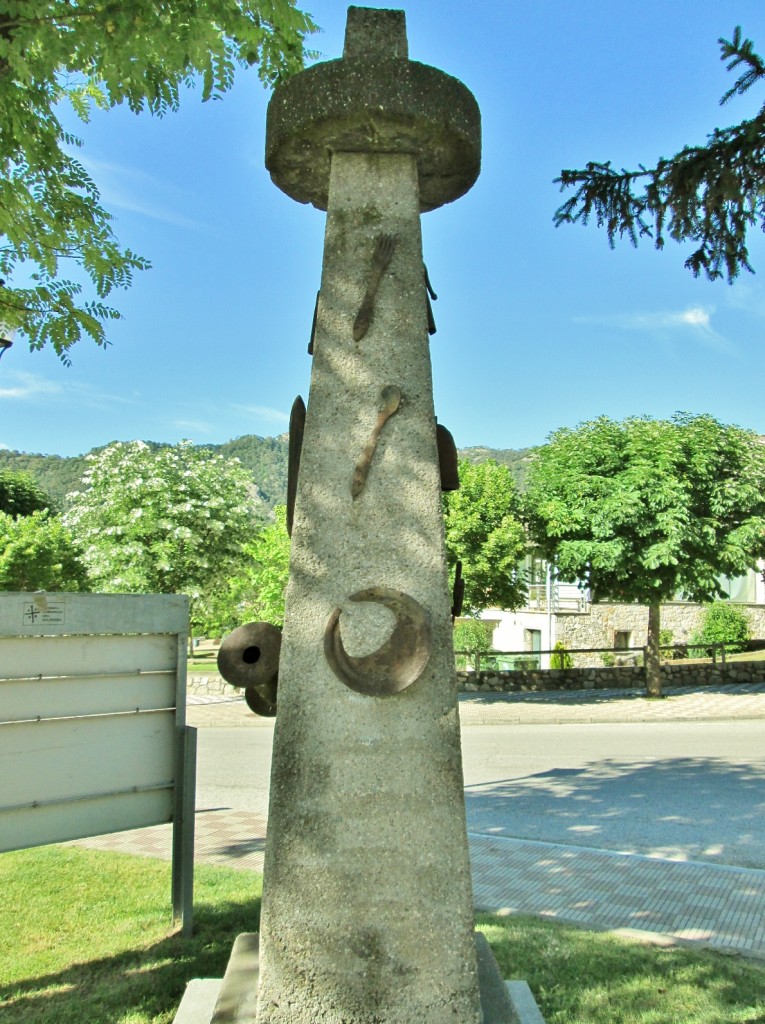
[[570, 599], [623, 657]]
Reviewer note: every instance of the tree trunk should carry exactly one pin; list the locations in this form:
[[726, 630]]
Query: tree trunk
[[652, 664]]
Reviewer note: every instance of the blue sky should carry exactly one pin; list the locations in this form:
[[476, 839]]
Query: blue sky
[[538, 327]]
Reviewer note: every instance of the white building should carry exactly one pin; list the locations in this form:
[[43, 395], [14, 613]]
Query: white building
[[564, 613]]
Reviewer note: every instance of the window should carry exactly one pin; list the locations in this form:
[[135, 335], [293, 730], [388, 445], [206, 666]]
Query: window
[[622, 639], [533, 640]]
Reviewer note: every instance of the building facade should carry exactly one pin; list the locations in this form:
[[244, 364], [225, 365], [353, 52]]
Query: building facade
[[563, 613]]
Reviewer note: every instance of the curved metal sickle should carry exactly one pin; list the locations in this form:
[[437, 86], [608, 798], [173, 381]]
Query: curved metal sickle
[[400, 661]]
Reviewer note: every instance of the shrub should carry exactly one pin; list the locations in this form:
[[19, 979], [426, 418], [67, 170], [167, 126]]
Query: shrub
[[560, 658], [723, 623], [667, 639]]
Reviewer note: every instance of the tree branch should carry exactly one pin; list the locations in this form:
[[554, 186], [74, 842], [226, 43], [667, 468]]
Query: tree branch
[[710, 195]]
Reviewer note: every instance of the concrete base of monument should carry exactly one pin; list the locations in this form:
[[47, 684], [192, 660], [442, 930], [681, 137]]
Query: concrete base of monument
[[232, 1000]]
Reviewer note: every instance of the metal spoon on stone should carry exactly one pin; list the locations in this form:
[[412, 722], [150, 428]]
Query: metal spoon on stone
[[390, 399]]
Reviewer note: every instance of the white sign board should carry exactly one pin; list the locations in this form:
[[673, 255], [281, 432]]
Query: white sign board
[[88, 713], [92, 715]]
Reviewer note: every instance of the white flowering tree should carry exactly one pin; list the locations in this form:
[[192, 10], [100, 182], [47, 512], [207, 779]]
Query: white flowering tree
[[170, 520], [255, 592]]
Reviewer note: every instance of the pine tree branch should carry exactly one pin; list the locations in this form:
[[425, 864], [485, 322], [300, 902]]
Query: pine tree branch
[[710, 195]]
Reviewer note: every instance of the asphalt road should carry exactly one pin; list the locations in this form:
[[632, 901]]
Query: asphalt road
[[684, 790]]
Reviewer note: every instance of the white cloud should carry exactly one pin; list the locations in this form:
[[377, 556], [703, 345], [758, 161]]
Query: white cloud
[[696, 317], [264, 413], [126, 188], [29, 385], [748, 298], [193, 426], [695, 321]]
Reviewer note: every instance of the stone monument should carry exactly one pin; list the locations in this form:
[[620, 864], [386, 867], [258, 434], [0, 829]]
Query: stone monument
[[367, 912], [367, 903]]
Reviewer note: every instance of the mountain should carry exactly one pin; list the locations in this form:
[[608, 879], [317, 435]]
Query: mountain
[[264, 457], [56, 474], [516, 459]]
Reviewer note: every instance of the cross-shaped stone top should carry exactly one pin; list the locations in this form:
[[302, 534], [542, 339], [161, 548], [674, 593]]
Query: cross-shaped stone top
[[373, 100], [375, 33]]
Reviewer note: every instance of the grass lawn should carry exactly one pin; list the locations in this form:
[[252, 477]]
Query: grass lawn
[[86, 938], [204, 659]]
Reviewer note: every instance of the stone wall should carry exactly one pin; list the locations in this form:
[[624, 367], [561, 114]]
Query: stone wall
[[596, 628], [623, 678], [210, 685]]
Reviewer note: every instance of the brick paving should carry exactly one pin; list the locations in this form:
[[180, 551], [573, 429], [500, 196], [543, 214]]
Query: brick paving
[[670, 901], [708, 703], [718, 906]]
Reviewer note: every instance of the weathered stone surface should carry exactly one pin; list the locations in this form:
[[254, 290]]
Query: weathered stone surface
[[238, 993], [367, 902], [373, 102], [496, 1004], [198, 1003]]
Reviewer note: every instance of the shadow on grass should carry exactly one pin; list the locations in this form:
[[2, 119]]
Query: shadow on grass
[[142, 984], [581, 977], [577, 977]]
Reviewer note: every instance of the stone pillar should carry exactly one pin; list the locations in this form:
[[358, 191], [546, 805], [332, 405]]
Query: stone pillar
[[367, 904]]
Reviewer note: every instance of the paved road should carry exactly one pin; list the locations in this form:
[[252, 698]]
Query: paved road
[[234, 768], [679, 790], [686, 783]]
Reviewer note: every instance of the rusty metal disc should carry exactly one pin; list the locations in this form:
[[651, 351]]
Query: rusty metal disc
[[258, 702], [250, 655]]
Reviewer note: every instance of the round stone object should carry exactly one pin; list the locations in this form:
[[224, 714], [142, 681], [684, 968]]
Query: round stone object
[[249, 656], [388, 105]]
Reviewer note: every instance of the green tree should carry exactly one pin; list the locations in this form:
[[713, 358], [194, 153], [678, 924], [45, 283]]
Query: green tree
[[103, 53], [472, 637], [484, 531], [709, 195], [20, 495], [254, 588], [164, 520], [37, 552], [646, 510], [723, 623]]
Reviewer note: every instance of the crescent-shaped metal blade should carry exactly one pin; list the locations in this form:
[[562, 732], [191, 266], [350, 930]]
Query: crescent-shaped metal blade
[[400, 661]]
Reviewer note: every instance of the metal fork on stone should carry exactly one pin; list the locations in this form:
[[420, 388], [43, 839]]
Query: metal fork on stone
[[381, 257]]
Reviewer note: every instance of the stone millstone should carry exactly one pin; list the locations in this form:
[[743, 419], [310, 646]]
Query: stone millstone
[[374, 100]]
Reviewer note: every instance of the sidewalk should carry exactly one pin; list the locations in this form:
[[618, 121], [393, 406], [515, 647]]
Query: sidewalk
[[708, 703], [662, 901], [712, 703], [665, 901]]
